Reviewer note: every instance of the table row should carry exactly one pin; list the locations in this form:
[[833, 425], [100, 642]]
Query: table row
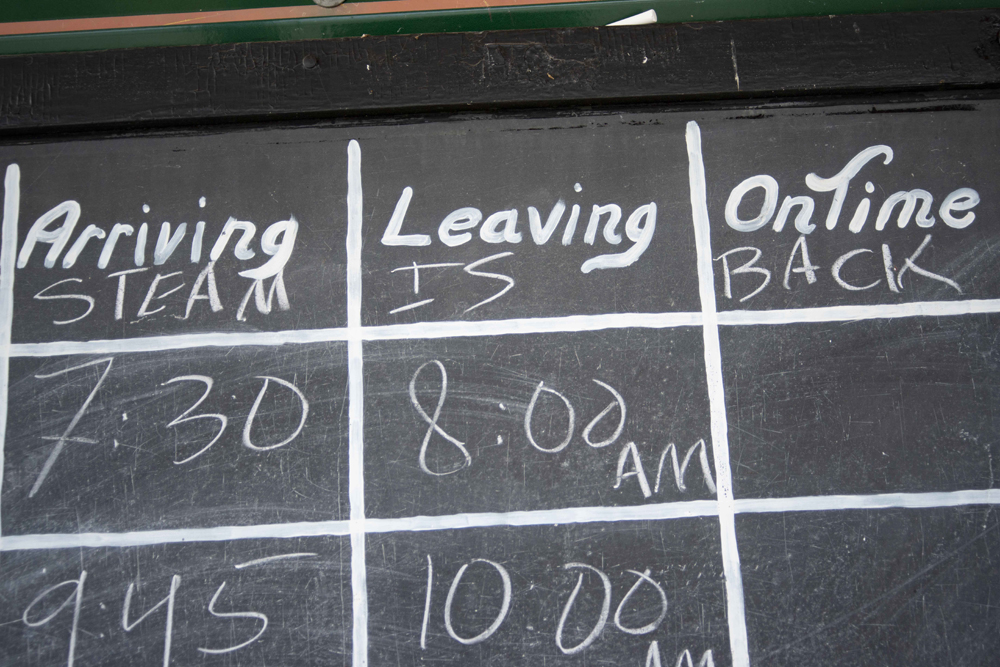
[[514, 217], [834, 588], [616, 418]]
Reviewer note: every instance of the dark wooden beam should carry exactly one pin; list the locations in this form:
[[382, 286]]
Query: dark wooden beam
[[475, 71]]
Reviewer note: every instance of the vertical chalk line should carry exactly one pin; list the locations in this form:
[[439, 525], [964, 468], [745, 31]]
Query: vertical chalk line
[[8, 254], [736, 612], [355, 393]]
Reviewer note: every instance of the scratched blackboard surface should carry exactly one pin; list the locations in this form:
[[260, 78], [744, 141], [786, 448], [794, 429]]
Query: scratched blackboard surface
[[590, 394], [913, 163], [561, 168], [692, 381], [878, 188], [177, 439], [607, 564], [163, 183], [189, 603], [864, 407], [872, 587]]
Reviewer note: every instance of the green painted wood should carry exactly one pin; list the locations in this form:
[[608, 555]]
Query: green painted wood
[[538, 16], [66, 9]]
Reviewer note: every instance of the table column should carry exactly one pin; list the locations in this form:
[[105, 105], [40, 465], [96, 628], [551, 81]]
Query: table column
[[859, 357], [175, 473], [539, 470]]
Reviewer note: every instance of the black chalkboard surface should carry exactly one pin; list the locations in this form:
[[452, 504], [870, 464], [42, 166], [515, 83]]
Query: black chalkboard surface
[[590, 373]]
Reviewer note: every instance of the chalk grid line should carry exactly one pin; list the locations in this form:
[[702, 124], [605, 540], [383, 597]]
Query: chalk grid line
[[521, 326], [8, 253], [356, 410], [735, 611], [690, 509]]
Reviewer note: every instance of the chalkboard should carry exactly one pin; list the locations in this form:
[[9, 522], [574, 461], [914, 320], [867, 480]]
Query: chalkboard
[[672, 356]]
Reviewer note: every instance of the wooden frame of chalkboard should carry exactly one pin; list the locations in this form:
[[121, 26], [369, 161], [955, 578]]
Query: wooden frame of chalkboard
[[802, 58], [766, 439]]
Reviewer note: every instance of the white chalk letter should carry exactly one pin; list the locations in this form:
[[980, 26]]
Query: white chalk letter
[[432, 421], [531, 411], [166, 244], [91, 232], [962, 199], [40, 233], [81, 297], [143, 312], [213, 292], [234, 614], [168, 634], [471, 270], [839, 182], [602, 619], [806, 206], [243, 250], [636, 471], [839, 264], [391, 236], [109, 245], [488, 232], [280, 252], [640, 236], [909, 201], [76, 597], [681, 469], [504, 608], [222, 419], [620, 402], [539, 234], [766, 210], [457, 220], [303, 406], [646, 629], [807, 267], [614, 212], [748, 267]]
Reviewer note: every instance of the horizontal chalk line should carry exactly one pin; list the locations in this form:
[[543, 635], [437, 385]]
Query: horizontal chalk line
[[694, 508], [177, 342], [388, 332], [148, 537], [531, 325], [852, 313], [574, 515], [879, 501], [271, 559]]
